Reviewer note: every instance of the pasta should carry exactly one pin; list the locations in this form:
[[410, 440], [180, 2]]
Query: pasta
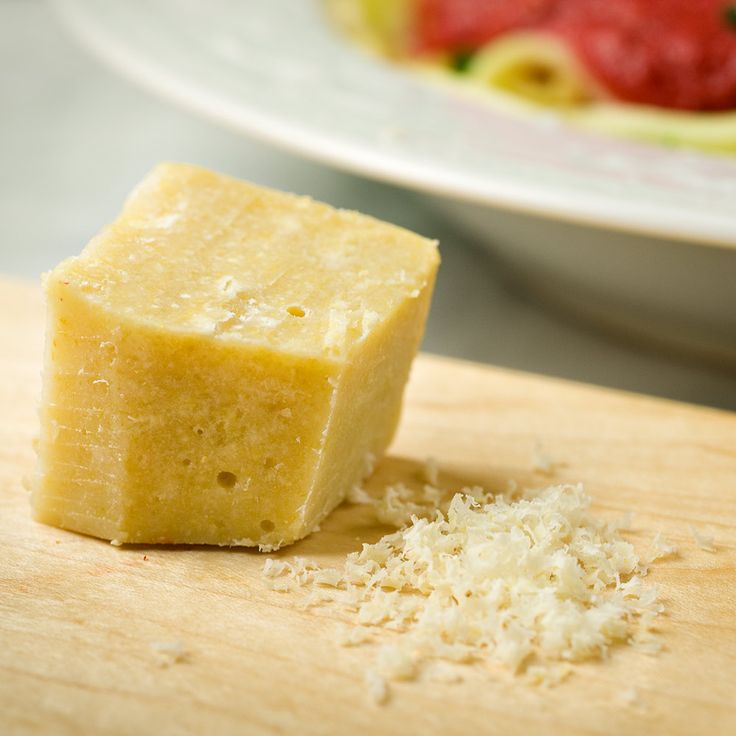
[[533, 66]]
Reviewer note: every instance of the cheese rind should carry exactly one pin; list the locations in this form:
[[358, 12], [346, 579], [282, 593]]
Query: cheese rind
[[221, 360]]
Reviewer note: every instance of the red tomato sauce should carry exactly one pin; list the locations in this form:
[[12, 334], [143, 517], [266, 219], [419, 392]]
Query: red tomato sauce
[[679, 54]]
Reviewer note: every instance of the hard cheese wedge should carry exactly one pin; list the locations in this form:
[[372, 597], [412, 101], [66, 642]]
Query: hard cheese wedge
[[222, 362]]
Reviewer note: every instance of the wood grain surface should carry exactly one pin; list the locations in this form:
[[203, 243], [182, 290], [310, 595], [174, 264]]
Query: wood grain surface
[[79, 618]]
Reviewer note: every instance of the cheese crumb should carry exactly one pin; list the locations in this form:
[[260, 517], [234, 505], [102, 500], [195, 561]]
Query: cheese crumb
[[357, 495], [444, 672], [169, 652], [400, 504], [541, 461], [432, 471], [352, 636], [396, 663], [629, 697], [316, 598], [548, 676], [369, 464], [704, 541], [377, 687]]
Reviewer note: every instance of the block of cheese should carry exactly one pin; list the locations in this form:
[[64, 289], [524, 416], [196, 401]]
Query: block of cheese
[[221, 362]]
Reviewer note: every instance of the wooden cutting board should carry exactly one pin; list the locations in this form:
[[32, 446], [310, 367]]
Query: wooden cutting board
[[78, 617]]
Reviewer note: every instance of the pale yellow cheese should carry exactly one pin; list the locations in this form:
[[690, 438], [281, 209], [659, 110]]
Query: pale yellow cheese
[[221, 361]]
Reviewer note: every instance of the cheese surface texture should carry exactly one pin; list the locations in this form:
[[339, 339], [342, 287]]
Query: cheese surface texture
[[221, 361]]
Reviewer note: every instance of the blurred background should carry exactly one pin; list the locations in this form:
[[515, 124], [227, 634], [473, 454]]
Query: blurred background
[[75, 138]]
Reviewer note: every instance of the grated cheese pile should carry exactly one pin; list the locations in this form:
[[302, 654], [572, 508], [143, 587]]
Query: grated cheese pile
[[531, 584]]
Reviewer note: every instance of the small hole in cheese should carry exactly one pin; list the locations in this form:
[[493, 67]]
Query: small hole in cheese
[[269, 462], [186, 462], [295, 311], [267, 526], [226, 479]]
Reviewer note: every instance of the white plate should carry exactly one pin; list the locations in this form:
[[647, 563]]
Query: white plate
[[274, 69]]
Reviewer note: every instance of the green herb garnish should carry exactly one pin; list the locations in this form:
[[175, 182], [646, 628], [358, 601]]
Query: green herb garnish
[[460, 60]]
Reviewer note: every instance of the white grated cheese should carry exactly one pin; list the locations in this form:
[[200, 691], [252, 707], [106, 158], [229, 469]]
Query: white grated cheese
[[548, 676], [399, 504], [316, 598], [541, 461], [659, 549], [284, 576], [629, 697], [327, 576], [352, 636], [396, 663], [704, 541], [530, 585], [168, 653], [443, 672], [357, 495], [432, 471], [369, 464], [377, 687]]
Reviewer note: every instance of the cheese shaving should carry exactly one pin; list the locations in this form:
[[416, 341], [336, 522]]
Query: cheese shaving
[[168, 653], [377, 687], [548, 676], [660, 548], [541, 461], [704, 541], [431, 471], [396, 662], [629, 697], [357, 495], [443, 672], [399, 504], [354, 636]]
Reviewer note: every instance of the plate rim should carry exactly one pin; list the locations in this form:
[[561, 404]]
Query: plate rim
[[647, 219]]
